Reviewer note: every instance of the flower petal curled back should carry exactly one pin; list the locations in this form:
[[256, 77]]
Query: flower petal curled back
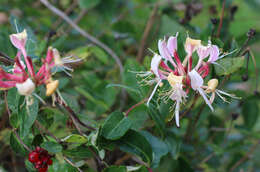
[[19, 41], [196, 80], [172, 44], [191, 45], [203, 52], [155, 63], [214, 54], [164, 52]]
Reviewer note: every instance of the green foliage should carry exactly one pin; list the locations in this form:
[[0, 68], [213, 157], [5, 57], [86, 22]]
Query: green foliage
[[115, 126], [99, 95]]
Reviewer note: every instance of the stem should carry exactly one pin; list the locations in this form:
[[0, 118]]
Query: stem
[[147, 30], [74, 117], [14, 130], [245, 157], [221, 18], [84, 33], [134, 106]]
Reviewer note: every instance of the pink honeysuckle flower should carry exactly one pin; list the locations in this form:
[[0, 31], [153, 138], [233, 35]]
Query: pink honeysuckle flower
[[196, 84], [176, 94], [168, 51], [19, 41]]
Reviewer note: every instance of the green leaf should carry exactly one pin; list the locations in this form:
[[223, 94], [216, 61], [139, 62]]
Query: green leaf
[[29, 114], [16, 145], [75, 138], [170, 26], [250, 113], [88, 4], [13, 100], [52, 147], [136, 143], [229, 65], [158, 146], [78, 152], [114, 168], [29, 166], [99, 54], [115, 126], [37, 140], [125, 87], [157, 118], [173, 144]]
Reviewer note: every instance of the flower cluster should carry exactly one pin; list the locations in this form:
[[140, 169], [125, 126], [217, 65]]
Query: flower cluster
[[24, 77], [40, 158], [184, 75]]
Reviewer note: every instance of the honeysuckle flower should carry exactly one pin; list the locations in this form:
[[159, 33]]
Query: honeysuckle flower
[[19, 41], [197, 84], [182, 77], [62, 63], [212, 88], [176, 94]]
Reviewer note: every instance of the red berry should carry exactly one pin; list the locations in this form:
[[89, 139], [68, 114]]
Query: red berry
[[43, 169], [33, 157], [49, 162]]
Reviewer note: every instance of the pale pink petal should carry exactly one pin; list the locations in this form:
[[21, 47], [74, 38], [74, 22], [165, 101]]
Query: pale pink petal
[[177, 110], [162, 46], [203, 52], [196, 79], [156, 60], [19, 41], [214, 54], [172, 44]]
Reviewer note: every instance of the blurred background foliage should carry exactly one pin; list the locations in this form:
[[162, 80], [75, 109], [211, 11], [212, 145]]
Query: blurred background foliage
[[206, 141]]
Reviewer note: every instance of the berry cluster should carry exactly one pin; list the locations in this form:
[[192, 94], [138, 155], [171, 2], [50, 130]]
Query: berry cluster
[[41, 159]]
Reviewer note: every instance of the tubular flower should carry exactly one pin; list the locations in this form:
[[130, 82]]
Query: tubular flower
[[166, 67], [24, 77]]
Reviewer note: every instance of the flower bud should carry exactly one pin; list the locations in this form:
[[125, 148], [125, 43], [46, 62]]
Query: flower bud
[[212, 85], [57, 58], [173, 79], [26, 88], [51, 87]]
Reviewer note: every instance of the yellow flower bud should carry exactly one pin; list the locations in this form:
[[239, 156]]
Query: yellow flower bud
[[173, 79], [51, 87], [212, 85], [57, 58], [193, 42]]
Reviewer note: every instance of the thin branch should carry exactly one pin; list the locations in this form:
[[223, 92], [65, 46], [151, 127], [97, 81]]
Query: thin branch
[[72, 164], [134, 106], [14, 130], [84, 33], [221, 18], [74, 117], [245, 157], [147, 30], [41, 127]]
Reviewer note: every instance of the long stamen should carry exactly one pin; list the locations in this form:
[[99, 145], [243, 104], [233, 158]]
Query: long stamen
[[202, 93], [154, 90]]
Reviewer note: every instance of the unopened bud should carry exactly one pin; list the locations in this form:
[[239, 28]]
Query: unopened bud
[[234, 116], [51, 87], [212, 85], [26, 88], [251, 33], [57, 58]]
